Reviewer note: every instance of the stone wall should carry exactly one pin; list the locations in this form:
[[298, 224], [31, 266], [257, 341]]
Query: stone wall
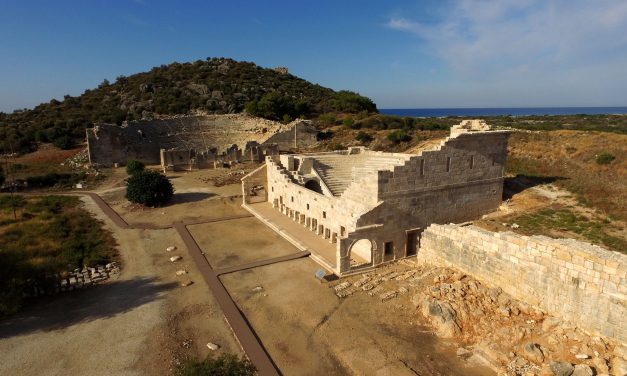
[[142, 140], [576, 281]]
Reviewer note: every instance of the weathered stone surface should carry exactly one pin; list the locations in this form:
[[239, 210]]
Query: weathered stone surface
[[560, 368], [618, 366], [582, 370], [546, 273], [533, 352]]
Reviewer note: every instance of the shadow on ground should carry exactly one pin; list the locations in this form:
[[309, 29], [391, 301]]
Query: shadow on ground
[[93, 303], [519, 183], [181, 198]]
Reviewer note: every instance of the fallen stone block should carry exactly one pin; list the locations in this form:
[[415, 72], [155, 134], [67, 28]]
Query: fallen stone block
[[212, 346], [388, 295], [170, 248], [342, 286], [186, 283], [175, 258], [181, 272]]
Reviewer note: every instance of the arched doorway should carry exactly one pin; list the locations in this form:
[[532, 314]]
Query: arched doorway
[[314, 186], [361, 251]]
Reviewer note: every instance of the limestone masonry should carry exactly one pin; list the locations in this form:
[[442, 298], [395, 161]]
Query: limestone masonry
[[371, 207], [200, 138], [577, 281]]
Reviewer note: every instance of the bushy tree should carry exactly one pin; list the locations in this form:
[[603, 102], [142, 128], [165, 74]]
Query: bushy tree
[[605, 158], [364, 137], [133, 166], [399, 136], [224, 365], [148, 188], [348, 101]]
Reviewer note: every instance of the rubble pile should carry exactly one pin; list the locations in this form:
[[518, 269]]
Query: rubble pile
[[88, 276], [511, 336]]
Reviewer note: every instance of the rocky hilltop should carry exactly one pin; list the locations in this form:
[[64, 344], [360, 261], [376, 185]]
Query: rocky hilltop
[[215, 85]]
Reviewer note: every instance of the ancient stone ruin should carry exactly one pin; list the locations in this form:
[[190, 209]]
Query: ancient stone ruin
[[196, 141], [371, 207]]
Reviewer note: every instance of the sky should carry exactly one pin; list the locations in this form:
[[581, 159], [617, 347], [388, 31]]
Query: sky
[[401, 54]]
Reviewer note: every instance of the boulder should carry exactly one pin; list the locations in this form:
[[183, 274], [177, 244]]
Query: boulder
[[533, 352], [582, 370], [600, 365], [175, 258], [442, 317], [561, 368]]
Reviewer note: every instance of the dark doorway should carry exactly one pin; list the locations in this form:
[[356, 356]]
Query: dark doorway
[[411, 244], [388, 251], [314, 186]]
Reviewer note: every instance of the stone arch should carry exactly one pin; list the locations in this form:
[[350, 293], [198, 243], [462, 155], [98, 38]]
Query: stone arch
[[313, 185], [363, 249]]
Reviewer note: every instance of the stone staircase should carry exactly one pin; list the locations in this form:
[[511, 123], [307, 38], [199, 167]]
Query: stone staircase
[[339, 171]]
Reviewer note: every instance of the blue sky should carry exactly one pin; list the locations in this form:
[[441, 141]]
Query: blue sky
[[402, 54]]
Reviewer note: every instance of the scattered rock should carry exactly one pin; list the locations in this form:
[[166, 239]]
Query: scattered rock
[[550, 323], [561, 368], [212, 346], [533, 352], [186, 283], [503, 311], [619, 366], [515, 225], [582, 356], [170, 248], [181, 272], [601, 365], [582, 370], [175, 258], [257, 289]]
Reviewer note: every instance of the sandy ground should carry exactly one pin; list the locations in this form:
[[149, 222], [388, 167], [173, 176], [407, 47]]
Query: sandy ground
[[248, 240], [192, 193], [135, 324], [308, 330]]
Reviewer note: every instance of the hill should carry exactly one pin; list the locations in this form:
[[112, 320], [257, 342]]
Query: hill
[[215, 85]]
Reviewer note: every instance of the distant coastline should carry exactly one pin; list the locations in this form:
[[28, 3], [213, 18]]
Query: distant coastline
[[514, 111]]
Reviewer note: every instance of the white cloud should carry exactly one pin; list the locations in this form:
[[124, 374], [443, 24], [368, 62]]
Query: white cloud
[[528, 42]]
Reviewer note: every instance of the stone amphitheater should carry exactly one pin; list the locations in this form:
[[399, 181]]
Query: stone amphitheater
[[110, 144]]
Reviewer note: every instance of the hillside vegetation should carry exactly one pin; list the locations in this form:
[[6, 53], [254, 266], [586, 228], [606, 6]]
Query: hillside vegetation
[[42, 237], [215, 85]]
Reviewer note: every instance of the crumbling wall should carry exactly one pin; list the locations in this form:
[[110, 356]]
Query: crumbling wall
[[577, 281], [255, 186], [301, 136], [142, 140]]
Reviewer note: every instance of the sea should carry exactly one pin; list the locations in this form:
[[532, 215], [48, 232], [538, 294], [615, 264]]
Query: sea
[[513, 111]]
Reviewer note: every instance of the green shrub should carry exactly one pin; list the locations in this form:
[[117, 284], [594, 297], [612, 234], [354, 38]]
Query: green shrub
[[133, 166], [224, 365], [605, 158], [364, 137], [54, 180], [51, 234], [348, 122], [399, 136], [63, 142], [148, 188]]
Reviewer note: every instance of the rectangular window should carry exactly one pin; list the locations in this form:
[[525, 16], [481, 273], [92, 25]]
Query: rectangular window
[[422, 167], [292, 198], [307, 206], [448, 164], [342, 231], [272, 189], [324, 214], [472, 161]]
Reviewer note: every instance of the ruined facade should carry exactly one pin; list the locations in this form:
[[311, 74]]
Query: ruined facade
[[192, 136], [372, 206], [176, 160], [576, 281]]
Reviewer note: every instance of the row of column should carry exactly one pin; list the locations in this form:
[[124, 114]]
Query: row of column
[[309, 223]]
